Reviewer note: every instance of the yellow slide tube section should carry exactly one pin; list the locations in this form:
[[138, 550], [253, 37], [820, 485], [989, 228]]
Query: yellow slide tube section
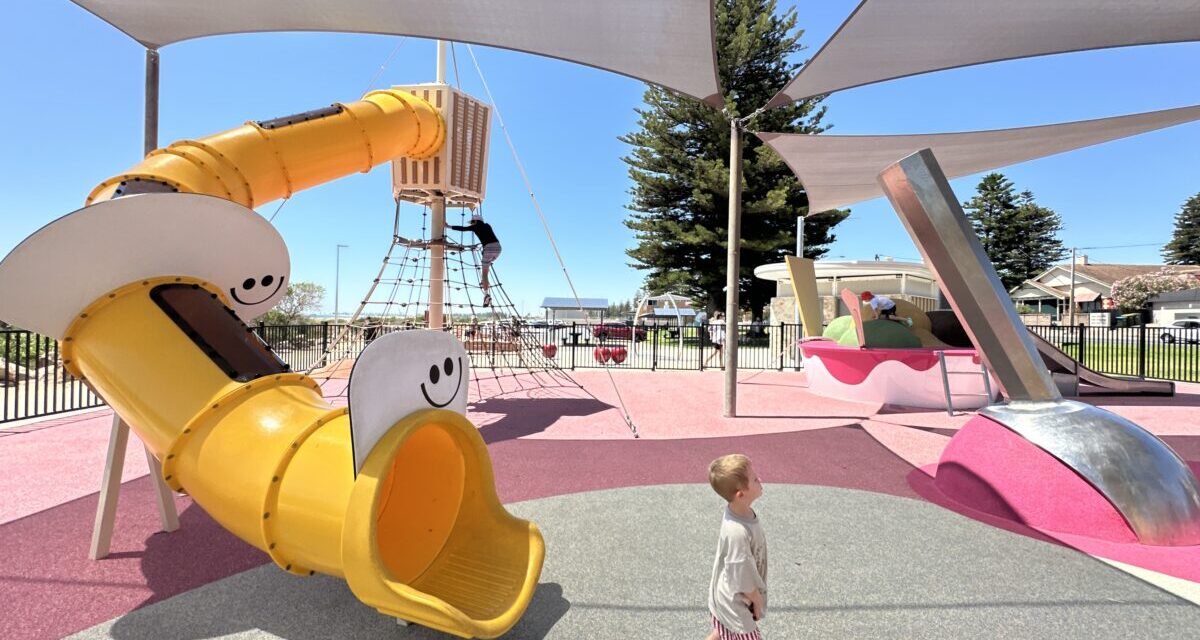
[[419, 533], [259, 162]]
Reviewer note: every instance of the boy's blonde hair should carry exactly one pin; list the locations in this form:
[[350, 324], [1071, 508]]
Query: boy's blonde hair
[[729, 474]]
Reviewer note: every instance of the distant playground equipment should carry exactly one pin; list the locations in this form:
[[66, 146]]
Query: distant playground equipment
[[395, 493], [887, 362], [930, 364], [1079, 380]]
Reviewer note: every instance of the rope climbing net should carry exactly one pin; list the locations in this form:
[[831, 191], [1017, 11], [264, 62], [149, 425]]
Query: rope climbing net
[[507, 355]]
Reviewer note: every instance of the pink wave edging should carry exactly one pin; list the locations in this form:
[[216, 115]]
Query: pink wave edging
[[852, 365], [990, 468], [896, 383]]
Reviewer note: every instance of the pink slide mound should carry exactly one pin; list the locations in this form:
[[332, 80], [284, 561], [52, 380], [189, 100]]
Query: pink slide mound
[[989, 468]]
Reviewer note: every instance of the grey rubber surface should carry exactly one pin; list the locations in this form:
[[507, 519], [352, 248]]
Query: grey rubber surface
[[634, 563]]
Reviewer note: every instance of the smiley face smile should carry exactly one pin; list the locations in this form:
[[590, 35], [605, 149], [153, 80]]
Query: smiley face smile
[[250, 283], [435, 374]]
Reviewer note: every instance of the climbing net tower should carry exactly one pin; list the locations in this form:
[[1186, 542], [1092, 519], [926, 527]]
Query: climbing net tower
[[430, 281]]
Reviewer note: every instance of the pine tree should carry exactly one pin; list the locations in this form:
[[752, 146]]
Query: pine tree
[[1184, 247], [1018, 235], [680, 167]]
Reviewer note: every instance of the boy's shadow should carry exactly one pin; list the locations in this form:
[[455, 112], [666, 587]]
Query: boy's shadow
[[268, 599]]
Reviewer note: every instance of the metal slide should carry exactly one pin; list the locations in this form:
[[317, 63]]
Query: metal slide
[[1093, 383]]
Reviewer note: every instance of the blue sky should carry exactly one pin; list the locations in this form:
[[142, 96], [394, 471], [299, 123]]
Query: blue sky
[[73, 116]]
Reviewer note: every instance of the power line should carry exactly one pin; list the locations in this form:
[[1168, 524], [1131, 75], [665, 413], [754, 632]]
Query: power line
[[1124, 246]]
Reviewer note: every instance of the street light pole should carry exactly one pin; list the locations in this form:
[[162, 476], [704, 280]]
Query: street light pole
[[800, 236], [337, 280]]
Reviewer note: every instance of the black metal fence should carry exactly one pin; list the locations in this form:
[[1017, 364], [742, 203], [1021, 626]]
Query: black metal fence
[[33, 381], [670, 347], [302, 345], [1170, 353]]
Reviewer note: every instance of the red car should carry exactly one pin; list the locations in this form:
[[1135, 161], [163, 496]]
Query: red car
[[617, 331]]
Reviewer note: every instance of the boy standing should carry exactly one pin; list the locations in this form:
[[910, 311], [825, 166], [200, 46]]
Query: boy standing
[[737, 595]]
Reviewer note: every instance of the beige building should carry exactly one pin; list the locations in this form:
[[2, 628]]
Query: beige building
[[1048, 296], [911, 281]]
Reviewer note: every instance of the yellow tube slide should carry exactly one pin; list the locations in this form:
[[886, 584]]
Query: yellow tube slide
[[262, 161], [418, 534]]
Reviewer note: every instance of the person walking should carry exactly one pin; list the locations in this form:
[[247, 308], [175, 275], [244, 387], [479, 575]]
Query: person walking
[[716, 335]]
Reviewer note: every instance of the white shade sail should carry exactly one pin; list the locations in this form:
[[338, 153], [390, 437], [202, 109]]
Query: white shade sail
[[665, 42], [886, 39], [840, 170]]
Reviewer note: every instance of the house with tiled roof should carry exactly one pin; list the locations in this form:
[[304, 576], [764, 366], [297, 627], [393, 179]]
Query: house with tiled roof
[[1050, 292]]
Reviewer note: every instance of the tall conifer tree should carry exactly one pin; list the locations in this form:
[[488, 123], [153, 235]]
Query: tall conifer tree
[[1019, 236], [1184, 247], [680, 167]]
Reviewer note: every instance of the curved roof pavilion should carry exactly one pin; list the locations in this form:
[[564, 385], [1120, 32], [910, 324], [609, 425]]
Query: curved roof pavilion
[[851, 268]]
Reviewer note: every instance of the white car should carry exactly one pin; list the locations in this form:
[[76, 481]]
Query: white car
[[1186, 331]]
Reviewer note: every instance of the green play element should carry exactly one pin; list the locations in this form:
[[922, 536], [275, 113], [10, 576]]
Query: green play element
[[883, 334]]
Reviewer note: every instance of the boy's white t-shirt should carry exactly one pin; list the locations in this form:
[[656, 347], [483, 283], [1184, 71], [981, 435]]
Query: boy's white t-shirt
[[881, 303], [740, 567]]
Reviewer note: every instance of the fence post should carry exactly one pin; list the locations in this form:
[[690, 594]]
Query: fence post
[[654, 346], [1142, 350], [782, 343], [324, 336], [1082, 328], [574, 343]]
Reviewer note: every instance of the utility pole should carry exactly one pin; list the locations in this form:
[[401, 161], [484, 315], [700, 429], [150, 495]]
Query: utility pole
[[1072, 296]]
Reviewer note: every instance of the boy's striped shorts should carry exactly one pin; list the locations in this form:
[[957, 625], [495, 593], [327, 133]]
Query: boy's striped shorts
[[726, 634]]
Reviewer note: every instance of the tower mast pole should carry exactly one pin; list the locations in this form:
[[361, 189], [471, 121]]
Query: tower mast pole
[[437, 236]]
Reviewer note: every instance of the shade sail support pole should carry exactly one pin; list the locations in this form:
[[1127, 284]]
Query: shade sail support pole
[[733, 266], [150, 131]]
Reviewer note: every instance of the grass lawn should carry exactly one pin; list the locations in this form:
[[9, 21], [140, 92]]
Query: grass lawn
[[1169, 362]]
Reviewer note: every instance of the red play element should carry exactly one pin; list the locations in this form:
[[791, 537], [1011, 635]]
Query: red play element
[[602, 354], [852, 365], [989, 468], [549, 350], [619, 354]]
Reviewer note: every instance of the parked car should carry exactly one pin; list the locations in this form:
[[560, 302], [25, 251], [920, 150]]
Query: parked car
[[1188, 337], [618, 331]]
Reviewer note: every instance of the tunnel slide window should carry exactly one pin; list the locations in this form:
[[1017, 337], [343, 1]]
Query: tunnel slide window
[[217, 331]]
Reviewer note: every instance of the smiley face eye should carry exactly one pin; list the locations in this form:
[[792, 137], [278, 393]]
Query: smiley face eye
[[434, 374], [448, 366], [267, 280], [248, 284]]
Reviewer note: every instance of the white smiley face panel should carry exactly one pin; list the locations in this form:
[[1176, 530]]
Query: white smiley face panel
[[399, 374], [75, 260], [255, 296]]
